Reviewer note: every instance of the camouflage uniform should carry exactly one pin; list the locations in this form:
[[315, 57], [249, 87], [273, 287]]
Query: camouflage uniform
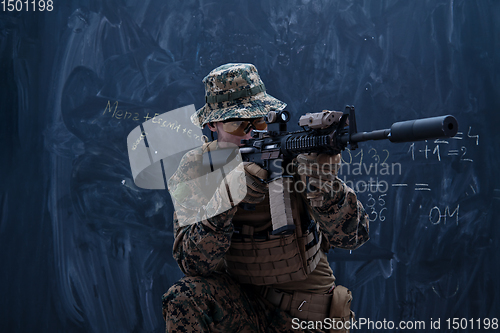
[[208, 298]]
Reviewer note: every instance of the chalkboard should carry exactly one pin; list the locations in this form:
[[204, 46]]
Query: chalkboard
[[82, 249]]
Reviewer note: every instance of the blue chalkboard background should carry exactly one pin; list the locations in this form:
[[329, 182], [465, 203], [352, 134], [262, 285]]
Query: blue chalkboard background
[[82, 249]]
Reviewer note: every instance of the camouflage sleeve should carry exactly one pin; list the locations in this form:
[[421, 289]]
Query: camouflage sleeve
[[200, 247], [342, 217], [200, 244]]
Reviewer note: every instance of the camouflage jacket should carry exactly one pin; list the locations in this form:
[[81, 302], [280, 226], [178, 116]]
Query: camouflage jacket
[[200, 247]]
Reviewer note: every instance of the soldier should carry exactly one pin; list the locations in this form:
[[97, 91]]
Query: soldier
[[240, 277]]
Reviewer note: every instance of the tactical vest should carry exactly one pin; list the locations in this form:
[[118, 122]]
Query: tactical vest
[[257, 257]]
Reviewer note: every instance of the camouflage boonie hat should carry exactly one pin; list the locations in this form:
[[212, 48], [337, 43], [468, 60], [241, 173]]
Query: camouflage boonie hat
[[234, 91]]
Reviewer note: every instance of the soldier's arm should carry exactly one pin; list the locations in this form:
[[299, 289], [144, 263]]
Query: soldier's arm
[[341, 216], [199, 247]]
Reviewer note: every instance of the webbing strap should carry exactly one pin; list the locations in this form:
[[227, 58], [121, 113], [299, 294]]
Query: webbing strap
[[273, 268], [306, 306], [230, 96], [311, 265], [312, 251], [270, 280], [261, 255], [311, 234], [249, 230], [247, 259], [264, 244], [280, 202], [274, 272]]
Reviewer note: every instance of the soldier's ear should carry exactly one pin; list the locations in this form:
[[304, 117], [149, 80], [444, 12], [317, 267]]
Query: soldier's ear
[[212, 127]]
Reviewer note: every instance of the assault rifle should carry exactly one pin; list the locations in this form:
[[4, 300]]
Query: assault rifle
[[327, 132]]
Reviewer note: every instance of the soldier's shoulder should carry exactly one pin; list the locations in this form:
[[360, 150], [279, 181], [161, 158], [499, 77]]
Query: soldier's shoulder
[[193, 155], [197, 153]]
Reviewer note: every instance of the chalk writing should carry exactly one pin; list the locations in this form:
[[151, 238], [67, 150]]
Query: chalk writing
[[376, 213], [473, 136], [435, 215], [372, 152], [418, 186], [422, 187], [464, 150], [436, 152], [428, 151], [119, 114], [112, 110]]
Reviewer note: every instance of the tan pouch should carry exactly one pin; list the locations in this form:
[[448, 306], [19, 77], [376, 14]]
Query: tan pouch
[[340, 310]]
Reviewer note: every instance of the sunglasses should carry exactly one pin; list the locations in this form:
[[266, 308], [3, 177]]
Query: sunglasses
[[240, 127]]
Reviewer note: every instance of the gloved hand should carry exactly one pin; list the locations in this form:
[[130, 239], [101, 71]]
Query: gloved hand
[[256, 188], [241, 184], [317, 171]]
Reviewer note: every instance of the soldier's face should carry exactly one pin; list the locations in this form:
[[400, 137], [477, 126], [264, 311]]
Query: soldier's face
[[223, 136]]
